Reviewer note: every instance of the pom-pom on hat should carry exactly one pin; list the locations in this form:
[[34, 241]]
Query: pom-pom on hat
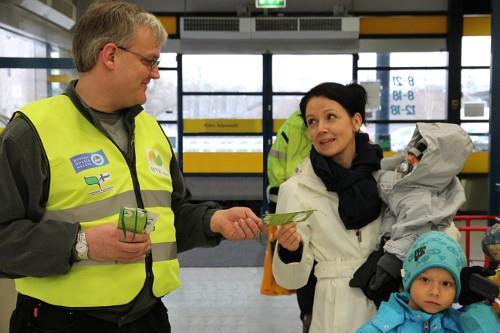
[[433, 249]]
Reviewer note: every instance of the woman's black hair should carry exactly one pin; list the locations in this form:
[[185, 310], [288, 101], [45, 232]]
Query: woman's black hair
[[351, 96]]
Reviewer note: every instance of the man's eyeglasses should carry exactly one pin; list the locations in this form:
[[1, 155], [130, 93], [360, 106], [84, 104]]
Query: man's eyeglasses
[[152, 62]]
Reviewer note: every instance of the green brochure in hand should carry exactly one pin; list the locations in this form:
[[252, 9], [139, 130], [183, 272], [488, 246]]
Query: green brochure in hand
[[132, 219], [284, 218]]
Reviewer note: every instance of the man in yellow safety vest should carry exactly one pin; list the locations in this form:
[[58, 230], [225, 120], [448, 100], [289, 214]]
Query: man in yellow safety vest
[[69, 163]]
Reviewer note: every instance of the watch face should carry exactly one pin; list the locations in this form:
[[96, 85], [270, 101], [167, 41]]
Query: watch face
[[81, 249]]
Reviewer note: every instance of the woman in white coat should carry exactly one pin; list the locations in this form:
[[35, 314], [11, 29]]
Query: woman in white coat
[[337, 181]]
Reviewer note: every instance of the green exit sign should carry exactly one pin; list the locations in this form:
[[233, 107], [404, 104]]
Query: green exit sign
[[270, 3]]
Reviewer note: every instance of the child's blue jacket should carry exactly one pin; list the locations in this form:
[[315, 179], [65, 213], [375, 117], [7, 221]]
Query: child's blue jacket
[[395, 316]]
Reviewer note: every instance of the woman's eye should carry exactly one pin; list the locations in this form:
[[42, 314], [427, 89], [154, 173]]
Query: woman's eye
[[311, 121], [331, 116]]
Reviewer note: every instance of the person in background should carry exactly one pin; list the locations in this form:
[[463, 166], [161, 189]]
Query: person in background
[[422, 193], [291, 147], [491, 248], [336, 180], [432, 283], [70, 162]]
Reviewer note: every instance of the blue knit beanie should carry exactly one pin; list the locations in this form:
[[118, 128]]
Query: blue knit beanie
[[434, 249]]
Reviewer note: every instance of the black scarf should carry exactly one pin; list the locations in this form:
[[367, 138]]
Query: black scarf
[[359, 203]]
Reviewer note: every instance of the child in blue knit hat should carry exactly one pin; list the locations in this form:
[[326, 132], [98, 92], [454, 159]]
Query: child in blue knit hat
[[431, 280]]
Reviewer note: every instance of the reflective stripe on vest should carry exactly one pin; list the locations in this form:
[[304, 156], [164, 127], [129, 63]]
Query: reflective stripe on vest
[[89, 181], [280, 155]]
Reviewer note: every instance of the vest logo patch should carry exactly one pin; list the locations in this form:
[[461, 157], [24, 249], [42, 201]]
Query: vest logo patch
[[156, 164], [99, 181], [89, 160]]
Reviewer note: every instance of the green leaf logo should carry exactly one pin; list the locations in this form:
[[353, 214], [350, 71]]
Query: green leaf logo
[[158, 160]]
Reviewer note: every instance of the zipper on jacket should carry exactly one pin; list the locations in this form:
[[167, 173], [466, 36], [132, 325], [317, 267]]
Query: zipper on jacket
[[426, 326]]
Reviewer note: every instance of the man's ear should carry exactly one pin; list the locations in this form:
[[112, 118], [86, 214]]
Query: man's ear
[[107, 55]]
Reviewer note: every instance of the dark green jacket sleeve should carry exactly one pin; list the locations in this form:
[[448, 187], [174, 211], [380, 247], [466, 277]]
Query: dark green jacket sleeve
[[28, 247]]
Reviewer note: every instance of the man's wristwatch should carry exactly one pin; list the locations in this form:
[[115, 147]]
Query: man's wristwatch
[[81, 246]]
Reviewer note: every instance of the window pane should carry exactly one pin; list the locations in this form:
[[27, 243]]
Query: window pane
[[168, 60], [59, 80], [14, 45], [222, 107], [299, 73], [475, 94], [409, 94], [476, 51], [162, 96], [398, 135], [479, 134], [284, 106], [222, 143], [368, 59], [406, 59], [225, 73], [171, 132], [419, 59], [19, 87]]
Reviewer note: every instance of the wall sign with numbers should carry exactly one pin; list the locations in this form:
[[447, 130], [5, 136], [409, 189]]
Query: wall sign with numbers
[[402, 97]]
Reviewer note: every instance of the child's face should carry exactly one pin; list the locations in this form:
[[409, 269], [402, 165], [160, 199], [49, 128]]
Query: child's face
[[412, 159], [432, 291]]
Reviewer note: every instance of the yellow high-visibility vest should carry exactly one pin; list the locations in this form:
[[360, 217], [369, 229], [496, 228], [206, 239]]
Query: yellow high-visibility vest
[[90, 180]]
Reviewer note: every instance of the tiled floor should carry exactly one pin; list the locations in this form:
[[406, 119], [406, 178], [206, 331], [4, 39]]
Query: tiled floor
[[227, 300]]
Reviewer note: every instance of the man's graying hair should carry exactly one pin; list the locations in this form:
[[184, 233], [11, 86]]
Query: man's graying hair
[[110, 21]]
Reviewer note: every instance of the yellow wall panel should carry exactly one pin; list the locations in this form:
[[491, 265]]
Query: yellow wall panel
[[61, 78], [222, 126], [478, 162], [169, 23], [277, 123], [252, 162], [222, 163], [477, 25], [403, 25]]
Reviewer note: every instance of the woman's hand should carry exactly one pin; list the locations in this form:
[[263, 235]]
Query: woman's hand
[[288, 236]]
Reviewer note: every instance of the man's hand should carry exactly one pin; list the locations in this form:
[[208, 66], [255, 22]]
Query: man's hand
[[288, 236], [107, 243], [236, 223]]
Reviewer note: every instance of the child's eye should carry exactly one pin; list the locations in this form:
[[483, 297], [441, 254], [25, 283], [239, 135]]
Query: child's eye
[[424, 279], [448, 284]]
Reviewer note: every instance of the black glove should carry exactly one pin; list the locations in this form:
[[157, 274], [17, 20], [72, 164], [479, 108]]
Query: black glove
[[467, 296], [379, 276], [387, 279], [361, 278]]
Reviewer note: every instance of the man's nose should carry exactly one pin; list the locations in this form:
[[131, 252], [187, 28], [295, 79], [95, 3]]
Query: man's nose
[[155, 73]]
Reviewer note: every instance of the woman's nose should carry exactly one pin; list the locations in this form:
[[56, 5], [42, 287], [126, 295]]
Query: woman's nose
[[321, 126]]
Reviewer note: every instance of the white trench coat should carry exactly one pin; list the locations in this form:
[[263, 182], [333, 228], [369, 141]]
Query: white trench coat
[[339, 252]]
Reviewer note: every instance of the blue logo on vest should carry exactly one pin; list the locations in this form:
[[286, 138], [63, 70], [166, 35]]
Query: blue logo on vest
[[89, 160]]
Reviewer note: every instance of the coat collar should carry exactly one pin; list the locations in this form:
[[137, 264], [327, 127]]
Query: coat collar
[[396, 311]]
